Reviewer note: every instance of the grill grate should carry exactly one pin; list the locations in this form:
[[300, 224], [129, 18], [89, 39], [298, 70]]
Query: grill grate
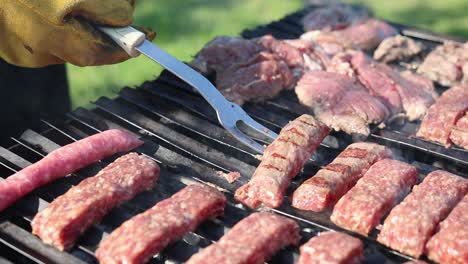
[[181, 133]]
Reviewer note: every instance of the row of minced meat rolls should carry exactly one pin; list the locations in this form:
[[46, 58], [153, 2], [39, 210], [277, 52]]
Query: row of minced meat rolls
[[138, 239], [357, 174], [362, 185]]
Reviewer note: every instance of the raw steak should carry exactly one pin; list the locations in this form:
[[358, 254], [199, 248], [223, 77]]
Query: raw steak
[[400, 91], [365, 35], [447, 64], [244, 69], [333, 17], [300, 55], [256, 81], [397, 48], [339, 102], [223, 52]]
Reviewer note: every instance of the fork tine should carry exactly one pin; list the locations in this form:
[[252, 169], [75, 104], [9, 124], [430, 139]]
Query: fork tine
[[249, 121], [239, 135]]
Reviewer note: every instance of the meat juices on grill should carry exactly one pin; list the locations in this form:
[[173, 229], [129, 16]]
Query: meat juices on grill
[[64, 161], [333, 17], [332, 248], [411, 223], [253, 240], [443, 115], [450, 244], [332, 182], [364, 35], [282, 160], [148, 233], [397, 48], [447, 64], [339, 102], [400, 91], [68, 216], [383, 186], [459, 134]]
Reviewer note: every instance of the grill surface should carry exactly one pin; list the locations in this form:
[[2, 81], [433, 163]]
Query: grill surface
[[181, 133]]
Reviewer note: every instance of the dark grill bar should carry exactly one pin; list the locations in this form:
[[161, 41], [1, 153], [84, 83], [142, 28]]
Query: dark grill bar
[[182, 134]]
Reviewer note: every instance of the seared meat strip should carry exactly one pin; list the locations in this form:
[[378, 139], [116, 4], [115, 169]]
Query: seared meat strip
[[447, 64], [411, 223], [397, 48], [253, 240], [449, 245], [146, 234], [444, 114], [332, 248], [459, 134], [333, 17], [68, 216], [339, 102], [64, 161], [282, 160], [330, 183], [383, 186]]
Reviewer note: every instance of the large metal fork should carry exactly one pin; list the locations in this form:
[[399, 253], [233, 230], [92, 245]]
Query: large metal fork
[[229, 114]]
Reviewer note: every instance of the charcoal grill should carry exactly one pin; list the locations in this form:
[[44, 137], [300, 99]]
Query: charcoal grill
[[181, 133]]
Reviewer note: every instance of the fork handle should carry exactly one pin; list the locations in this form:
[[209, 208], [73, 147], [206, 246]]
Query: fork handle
[[128, 38]]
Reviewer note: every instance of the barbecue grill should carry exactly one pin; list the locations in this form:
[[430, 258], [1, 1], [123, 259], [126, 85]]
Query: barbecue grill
[[182, 134]]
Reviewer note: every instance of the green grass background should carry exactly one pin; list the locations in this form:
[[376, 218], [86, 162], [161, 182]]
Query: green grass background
[[184, 26]]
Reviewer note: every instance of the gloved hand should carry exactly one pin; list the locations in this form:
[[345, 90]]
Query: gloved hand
[[36, 33]]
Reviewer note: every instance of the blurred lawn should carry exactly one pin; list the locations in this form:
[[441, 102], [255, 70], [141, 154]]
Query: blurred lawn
[[184, 26]]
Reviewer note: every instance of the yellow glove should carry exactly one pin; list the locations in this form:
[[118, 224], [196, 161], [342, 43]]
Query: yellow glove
[[36, 33]]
